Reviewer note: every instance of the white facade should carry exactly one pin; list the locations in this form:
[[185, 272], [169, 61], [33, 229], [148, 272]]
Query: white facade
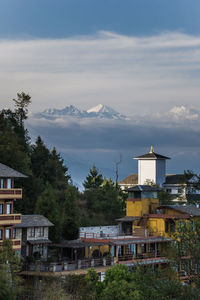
[[151, 170]]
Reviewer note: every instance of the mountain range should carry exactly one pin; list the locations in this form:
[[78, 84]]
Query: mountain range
[[100, 111]]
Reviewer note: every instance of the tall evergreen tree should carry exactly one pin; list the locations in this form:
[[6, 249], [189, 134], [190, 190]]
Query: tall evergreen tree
[[93, 180], [70, 214], [47, 205]]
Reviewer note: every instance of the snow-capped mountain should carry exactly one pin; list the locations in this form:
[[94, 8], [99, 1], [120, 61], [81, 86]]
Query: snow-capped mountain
[[104, 111], [69, 110], [100, 111]]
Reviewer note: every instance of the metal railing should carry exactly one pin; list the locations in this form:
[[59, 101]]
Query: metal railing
[[40, 266]]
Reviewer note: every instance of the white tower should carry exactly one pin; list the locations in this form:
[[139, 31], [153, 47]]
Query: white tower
[[151, 168]]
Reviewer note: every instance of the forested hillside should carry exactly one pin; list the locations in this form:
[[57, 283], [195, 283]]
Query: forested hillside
[[48, 190]]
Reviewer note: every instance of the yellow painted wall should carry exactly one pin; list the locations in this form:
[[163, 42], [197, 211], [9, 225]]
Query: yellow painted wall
[[156, 226], [133, 208], [103, 249], [170, 211], [137, 208]]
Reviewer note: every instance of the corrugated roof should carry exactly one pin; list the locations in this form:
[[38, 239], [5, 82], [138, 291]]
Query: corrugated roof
[[192, 210], [33, 221], [141, 240], [128, 219], [143, 188], [6, 171], [40, 241], [131, 179]]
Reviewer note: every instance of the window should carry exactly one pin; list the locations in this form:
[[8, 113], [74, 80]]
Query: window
[[32, 231], [2, 183], [14, 233], [1, 234], [172, 226], [41, 231], [9, 183], [8, 234], [180, 191], [8, 208], [143, 248], [1, 209], [169, 191], [166, 226]]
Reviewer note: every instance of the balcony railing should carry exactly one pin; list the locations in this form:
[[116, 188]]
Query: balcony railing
[[10, 193], [10, 219], [39, 266], [139, 256], [16, 243]]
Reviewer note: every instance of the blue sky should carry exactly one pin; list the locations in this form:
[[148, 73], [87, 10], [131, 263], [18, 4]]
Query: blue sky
[[63, 18]]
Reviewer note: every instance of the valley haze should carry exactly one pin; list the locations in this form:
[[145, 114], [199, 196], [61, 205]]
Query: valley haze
[[100, 134]]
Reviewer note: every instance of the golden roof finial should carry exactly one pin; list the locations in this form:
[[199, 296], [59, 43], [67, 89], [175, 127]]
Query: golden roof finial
[[151, 150]]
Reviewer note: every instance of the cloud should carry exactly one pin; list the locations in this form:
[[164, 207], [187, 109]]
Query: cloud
[[132, 74]]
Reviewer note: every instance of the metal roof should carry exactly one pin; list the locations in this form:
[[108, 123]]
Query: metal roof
[[40, 241], [152, 155], [128, 219], [143, 188], [70, 244], [192, 210], [34, 221], [6, 171], [141, 240]]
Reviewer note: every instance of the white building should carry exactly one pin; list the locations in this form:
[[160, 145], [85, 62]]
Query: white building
[[152, 170]]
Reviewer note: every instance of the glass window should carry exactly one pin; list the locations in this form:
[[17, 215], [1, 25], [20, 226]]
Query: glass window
[[8, 234], [166, 226], [2, 183], [8, 208], [32, 231], [1, 209], [41, 231], [9, 183], [1, 234], [14, 233]]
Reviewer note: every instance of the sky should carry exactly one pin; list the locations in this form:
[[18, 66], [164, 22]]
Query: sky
[[140, 57]]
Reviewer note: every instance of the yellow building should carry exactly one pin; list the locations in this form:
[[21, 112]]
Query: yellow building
[[145, 232]]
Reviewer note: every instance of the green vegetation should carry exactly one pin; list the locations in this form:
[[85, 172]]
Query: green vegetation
[[10, 282]]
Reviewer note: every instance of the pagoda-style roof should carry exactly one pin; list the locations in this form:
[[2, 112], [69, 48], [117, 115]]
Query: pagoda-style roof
[[8, 172], [152, 155]]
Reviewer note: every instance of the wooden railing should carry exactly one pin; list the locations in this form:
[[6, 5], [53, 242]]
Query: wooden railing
[[16, 243], [10, 193], [10, 219]]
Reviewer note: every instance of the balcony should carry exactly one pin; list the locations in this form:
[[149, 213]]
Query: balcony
[[16, 243], [10, 193], [11, 219]]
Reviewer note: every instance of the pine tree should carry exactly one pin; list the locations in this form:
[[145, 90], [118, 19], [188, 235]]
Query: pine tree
[[93, 180], [47, 205]]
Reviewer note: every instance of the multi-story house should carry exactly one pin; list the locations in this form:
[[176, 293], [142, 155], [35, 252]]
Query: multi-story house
[[144, 233], [8, 194], [33, 231]]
